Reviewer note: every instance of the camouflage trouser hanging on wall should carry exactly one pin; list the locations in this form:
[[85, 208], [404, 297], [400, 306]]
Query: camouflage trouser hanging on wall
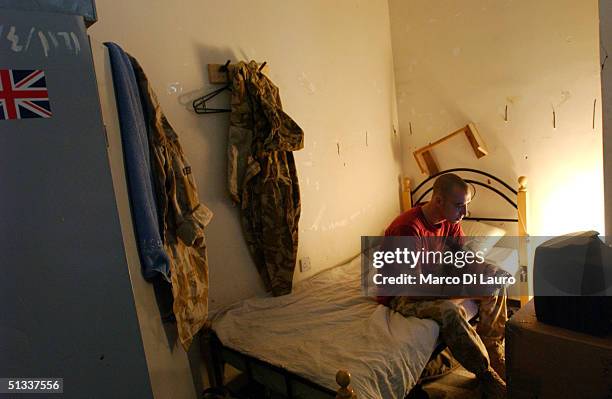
[[468, 345], [262, 175]]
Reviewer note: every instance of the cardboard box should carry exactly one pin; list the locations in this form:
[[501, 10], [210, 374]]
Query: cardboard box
[[544, 361]]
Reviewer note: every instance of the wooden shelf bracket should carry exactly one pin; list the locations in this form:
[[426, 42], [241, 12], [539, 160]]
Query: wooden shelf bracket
[[424, 156]]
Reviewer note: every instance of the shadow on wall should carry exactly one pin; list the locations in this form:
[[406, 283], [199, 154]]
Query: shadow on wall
[[214, 128], [458, 153], [208, 55]]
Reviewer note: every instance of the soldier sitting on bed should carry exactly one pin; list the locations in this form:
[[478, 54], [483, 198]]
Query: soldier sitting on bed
[[480, 350]]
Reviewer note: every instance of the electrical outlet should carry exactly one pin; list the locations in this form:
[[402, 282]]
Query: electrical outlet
[[304, 264]]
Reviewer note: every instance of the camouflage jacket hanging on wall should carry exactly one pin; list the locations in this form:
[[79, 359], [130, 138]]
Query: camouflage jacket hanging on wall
[[182, 216], [262, 175]]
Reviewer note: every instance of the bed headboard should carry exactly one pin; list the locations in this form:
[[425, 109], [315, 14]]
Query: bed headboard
[[516, 198]]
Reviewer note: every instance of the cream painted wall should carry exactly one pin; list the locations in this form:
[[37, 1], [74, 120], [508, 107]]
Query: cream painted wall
[[333, 65], [457, 62]]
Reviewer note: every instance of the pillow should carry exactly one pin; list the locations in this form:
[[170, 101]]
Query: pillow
[[481, 236]]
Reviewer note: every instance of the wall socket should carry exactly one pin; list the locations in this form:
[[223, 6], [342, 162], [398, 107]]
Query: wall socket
[[304, 264]]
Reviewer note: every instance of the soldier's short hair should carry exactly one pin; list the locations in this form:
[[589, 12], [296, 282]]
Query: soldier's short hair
[[445, 184]]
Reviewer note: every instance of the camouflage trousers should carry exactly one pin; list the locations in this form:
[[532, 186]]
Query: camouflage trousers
[[469, 345]]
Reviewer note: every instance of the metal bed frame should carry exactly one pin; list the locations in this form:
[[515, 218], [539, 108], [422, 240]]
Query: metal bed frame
[[215, 354]]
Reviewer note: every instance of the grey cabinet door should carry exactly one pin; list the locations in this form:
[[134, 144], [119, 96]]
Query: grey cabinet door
[[66, 303]]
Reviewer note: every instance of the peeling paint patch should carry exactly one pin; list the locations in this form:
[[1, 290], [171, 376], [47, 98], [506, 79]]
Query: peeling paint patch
[[565, 95], [307, 84], [513, 99], [335, 225], [317, 221]]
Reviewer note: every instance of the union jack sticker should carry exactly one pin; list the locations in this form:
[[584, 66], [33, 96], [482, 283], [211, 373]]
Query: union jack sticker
[[23, 94]]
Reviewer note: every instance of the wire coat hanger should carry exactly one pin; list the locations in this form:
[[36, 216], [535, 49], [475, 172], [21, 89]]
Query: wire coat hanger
[[199, 104]]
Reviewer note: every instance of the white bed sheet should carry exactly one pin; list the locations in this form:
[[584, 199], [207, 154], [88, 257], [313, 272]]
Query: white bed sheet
[[326, 324]]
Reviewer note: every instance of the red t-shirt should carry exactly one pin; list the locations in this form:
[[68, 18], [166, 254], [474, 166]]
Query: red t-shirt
[[413, 223]]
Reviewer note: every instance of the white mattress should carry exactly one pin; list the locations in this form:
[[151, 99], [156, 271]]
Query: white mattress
[[326, 325]]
